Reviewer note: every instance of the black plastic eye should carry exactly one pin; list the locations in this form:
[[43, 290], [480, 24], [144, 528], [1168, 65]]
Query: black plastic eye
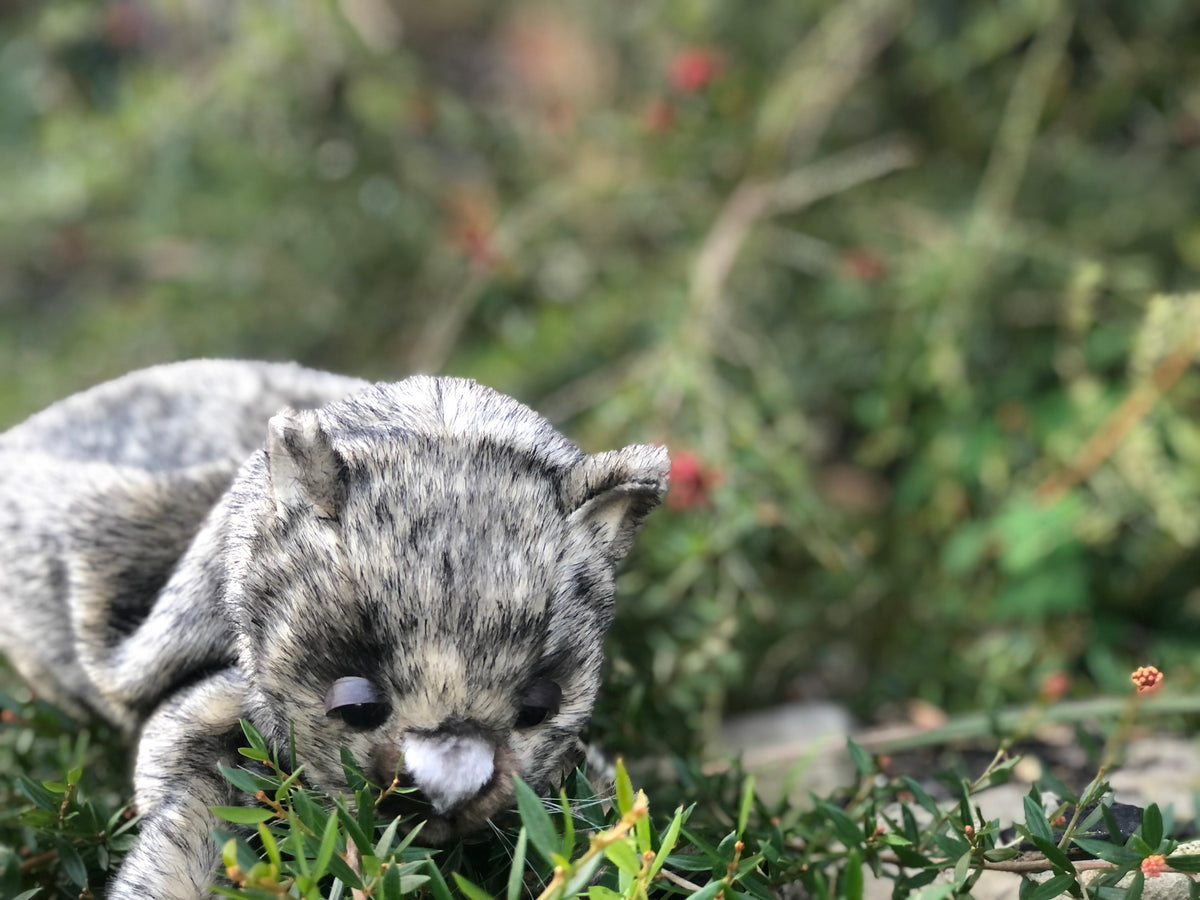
[[357, 702], [541, 702]]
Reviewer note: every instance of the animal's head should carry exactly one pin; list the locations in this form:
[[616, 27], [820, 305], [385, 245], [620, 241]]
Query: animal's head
[[423, 573]]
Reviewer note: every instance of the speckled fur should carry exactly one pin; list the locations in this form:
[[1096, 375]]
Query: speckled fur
[[162, 567]]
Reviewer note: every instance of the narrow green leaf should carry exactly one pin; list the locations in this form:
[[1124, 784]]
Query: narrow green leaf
[[286, 784], [582, 876], [747, 802], [471, 889], [1035, 819], [360, 837], [668, 843], [384, 845], [437, 884], [245, 781], [328, 844], [843, 826], [861, 759], [1152, 826], [392, 889], [269, 846], [251, 753], [600, 892], [535, 818], [252, 735], [1185, 862], [1134, 891], [920, 794], [517, 872], [709, 890], [624, 857], [1057, 858], [1108, 852], [1002, 854], [1055, 887], [408, 838], [72, 863], [242, 815], [962, 869], [37, 794], [624, 788], [568, 842], [852, 877]]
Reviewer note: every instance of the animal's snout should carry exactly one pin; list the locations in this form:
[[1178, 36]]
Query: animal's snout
[[448, 769]]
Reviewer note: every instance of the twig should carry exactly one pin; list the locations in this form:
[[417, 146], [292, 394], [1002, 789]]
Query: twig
[[755, 199], [1135, 407], [678, 881]]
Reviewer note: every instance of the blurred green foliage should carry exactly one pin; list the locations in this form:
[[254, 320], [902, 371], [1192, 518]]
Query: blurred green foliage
[[903, 286]]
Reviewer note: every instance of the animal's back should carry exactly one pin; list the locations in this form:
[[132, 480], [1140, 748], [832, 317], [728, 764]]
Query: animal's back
[[102, 492], [175, 416]]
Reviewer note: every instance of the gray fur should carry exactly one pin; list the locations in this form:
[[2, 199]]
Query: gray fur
[[162, 567]]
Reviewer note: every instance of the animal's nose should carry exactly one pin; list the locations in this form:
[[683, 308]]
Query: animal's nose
[[448, 769]]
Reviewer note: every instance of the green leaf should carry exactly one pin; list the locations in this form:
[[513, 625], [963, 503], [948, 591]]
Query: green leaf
[[471, 889], [37, 794], [1134, 891], [624, 788], [1152, 826], [1112, 853], [843, 826], [744, 807], [624, 857], [391, 884], [1035, 819], [709, 890], [538, 822], [72, 863], [360, 837], [861, 759], [383, 846], [962, 869], [252, 735], [1057, 858], [668, 843], [599, 892], [242, 815], [921, 795], [437, 884], [852, 877], [328, 844], [1055, 887], [269, 846], [1185, 862], [245, 781], [582, 876], [568, 842], [517, 871]]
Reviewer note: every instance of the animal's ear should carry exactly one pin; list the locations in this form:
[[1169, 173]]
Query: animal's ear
[[610, 494], [306, 472]]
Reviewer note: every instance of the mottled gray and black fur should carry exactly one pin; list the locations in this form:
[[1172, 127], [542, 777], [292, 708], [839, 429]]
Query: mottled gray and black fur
[[421, 572]]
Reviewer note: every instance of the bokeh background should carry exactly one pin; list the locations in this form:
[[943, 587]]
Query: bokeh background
[[902, 285]]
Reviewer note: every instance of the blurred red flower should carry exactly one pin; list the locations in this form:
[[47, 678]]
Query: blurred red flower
[[862, 264], [690, 481], [693, 68]]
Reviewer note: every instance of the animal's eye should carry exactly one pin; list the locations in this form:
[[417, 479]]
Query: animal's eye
[[357, 702], [540, 703]]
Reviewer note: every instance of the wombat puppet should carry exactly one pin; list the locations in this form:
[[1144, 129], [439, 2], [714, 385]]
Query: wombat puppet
[[420, 572]]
